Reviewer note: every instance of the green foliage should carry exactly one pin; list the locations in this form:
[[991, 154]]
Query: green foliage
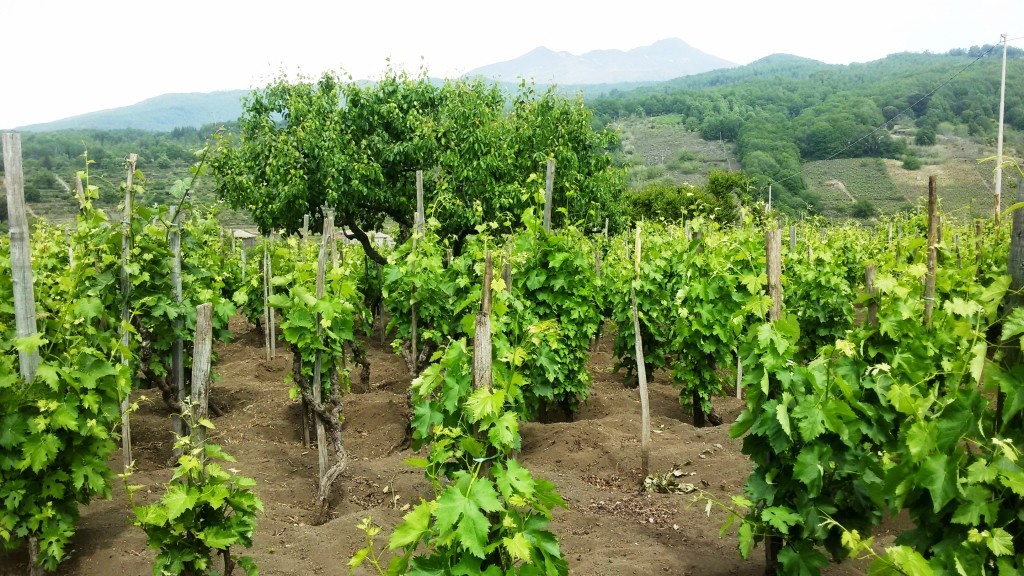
[[476, 149], [782, 109], [204, 510], [56, 432], [554, 292], [890, 417], [558, 287], [863, 208], [490, 514]]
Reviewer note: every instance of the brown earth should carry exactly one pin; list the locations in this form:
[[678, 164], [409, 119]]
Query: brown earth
[[610, 528]]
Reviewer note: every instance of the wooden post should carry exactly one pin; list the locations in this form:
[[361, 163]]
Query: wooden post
[[792, 239], [549, 187], [1014, 298], [270, 294], [321, 431], [414, 360], [201, 355], [21, 253], [178, 425], [126, 314], [243, 263], [383, 306], [773, 260], [482, 336], [869, 286], [641, 371], [420, 220], [506, 274], [890, 234], [739, 376], [773, 257], [688, 234], [978, 234], [956, 247], [304, 233], [929, 279], [266, 299]]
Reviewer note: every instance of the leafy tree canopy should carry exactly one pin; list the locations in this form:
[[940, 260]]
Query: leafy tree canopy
[[356, 147]]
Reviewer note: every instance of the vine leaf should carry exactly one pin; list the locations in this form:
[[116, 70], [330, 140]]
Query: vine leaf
[[939, 475]]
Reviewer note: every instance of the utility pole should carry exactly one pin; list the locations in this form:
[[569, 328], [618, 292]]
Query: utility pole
[[999, 140]]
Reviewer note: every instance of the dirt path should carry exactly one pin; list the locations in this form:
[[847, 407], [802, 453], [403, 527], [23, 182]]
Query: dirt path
[[609, 528]]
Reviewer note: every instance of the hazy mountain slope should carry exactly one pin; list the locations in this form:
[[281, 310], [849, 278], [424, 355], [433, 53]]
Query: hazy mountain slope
[[162, 113], [663, 60]]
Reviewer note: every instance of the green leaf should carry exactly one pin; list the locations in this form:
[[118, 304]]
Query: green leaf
[[218, 537], [939, 475], [746, 539], [780, 518], [921, 439], [517, 546], [1000, 542], [414, 526], [39, 451], [783, 417], [177, 500], [483, 403], [504, 435], [810, 420], [809, 467], [30, 343]]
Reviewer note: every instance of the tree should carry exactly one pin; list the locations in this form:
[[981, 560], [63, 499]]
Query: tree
[[357, 147]]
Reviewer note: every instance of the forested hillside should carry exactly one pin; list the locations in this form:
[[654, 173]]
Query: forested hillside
[[782, 111]]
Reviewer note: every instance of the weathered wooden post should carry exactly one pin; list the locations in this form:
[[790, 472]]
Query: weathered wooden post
[[199, 407], [641, 370], [177, 351], [482, 336], [929, 279], [126, 313], [549, 187], [21, 253]]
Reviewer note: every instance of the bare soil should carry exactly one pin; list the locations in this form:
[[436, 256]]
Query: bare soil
[[610, 527]]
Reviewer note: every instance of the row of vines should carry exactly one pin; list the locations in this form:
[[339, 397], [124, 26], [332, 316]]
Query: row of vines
[[881, 371]]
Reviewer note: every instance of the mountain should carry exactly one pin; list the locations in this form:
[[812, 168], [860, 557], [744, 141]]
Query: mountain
[[663, 60], [162, 113]]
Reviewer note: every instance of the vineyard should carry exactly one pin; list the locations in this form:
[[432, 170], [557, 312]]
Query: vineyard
[[757, 396]]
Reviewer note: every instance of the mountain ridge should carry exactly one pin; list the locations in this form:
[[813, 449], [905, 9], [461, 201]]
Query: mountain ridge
[[593, 72], [663, 60]]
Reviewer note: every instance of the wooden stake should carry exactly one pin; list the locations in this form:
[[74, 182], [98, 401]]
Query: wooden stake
[[482, 336], [266, 299], [773, 250], [773, 257], [126, 314], [21, 253], [792, 239], [1014, 299], [641, 372], [321, 431], [869, 286], [270, 294], [929, 279], [549, 187], [201, 355], [419, 222], [178, 425], [978, 234], [739, 376]]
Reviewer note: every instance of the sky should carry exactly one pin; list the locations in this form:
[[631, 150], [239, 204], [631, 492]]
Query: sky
[[63, 58]]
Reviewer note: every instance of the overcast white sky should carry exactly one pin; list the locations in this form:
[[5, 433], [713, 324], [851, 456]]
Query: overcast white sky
[[65, 58]]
